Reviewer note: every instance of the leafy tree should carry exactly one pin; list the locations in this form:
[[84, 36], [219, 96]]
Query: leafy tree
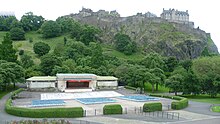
[[58, 69], [7, 52], [76, 30], [124, 44], [26, 61], [175, 82], [71, 64], [159, 77], [33, 71], [17, 34], [89, 34], [16, 24], [177, 79], [41, 48], [31, 22], [10, 73], [97, 58], [186, 64], [50, 29], [207, 69], [48, 62], [64, 40], [67, 24], [171, 63], [155, 61], [6, 22]]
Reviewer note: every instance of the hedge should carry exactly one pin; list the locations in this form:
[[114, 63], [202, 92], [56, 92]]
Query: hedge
[[112, 109], [130, 87], [44, 112], [151, 107], [176, 105]]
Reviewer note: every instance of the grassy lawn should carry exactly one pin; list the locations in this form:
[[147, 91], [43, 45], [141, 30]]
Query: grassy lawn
[[161, 89], [216, 108], [109, 50], [204, 98]]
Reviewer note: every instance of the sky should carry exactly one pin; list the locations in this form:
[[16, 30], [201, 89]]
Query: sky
[[204, 13]]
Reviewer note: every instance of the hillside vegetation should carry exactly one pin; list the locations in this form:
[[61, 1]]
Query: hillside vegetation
[[149, 53]]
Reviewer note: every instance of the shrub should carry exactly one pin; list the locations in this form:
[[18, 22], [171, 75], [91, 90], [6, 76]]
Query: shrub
[[42, 113], [151, 107], [17, 34], [112, 109], [31, 40], [41, 48], [181, 102], [21, 52]]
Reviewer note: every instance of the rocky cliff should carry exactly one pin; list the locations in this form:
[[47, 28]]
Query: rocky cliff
[[150, 32]]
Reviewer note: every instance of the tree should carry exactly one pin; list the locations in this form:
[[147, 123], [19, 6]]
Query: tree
[[50, 29], [6, 22], [97, 59], [17, 34], [41, 48], [48, 62], [207, 69], [67, 24], [88, 34], [31, 22], [58, 69], [177, 79], [175, 82], [7, 52], [10, 73], [159, 76], [26, 61], [154, 61], [124, 44]]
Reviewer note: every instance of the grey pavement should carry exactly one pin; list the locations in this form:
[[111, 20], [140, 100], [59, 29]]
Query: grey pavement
[[195, 113], [201, 108]]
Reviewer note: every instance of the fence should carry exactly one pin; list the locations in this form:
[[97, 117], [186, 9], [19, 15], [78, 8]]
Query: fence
[[137, 111]]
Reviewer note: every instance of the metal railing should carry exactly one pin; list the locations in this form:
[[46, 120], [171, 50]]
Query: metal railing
[[136, 111]]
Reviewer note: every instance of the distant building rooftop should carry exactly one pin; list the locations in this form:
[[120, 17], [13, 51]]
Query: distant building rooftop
[[106, 78], [42, 78], [74, 75]]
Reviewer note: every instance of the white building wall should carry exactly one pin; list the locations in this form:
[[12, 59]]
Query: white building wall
[[107, 83], [41, 84], [61, 85]]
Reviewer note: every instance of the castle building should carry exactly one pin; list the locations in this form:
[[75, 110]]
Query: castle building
[[175, 15]]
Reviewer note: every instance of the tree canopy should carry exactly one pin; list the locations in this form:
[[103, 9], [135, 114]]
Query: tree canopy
[[50, 29], [41, 48]]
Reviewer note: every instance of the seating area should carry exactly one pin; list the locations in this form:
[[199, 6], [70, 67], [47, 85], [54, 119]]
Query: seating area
[[95, 100], [139, 98], [44, 103]]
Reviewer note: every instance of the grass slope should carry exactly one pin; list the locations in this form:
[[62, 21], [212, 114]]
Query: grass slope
[[204, 98], [28, 47]]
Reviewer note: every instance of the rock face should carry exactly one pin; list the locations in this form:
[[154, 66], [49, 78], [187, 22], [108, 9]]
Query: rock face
[[150, 32]]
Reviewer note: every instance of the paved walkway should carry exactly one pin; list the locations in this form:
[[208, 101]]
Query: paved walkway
[[195, 113]]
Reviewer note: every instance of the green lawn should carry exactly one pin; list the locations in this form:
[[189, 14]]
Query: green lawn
[[204, 98], [161, 88], [109, 50], [216, 108]]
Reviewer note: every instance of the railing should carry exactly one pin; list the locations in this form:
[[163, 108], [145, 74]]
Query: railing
[[136, 111]]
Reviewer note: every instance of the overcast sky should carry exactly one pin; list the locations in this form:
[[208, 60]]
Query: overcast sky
[[204, 13]]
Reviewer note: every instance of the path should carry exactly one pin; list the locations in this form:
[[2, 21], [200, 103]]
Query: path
[[195, 113]]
